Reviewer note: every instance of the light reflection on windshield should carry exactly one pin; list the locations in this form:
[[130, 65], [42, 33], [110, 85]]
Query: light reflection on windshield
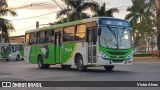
[[115, 37]]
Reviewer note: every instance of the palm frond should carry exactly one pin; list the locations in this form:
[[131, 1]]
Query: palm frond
[[109, 13], [63, 12], [7, 12], [6, 26], [92, 5]]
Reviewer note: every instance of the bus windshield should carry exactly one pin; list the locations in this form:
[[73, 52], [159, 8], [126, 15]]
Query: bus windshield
[[6, 49], [115, 37]]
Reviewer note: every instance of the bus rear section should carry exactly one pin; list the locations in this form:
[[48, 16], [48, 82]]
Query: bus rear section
[[12, 51]]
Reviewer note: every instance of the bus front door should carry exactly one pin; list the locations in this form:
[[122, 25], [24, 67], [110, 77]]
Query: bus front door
[[58, 46], [92, 39]]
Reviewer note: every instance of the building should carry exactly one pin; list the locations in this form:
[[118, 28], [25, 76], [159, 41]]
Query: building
[[16, 39]]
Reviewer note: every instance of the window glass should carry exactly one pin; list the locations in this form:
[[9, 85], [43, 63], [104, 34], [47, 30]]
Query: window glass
[[33, 38], [80, 32], [52, 37], [69, 30], [38, 38], [69, 34], [42, 35]]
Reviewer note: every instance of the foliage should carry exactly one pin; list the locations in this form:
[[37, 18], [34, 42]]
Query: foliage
[[76, 9], [101, 11], [142, 20], [5, 25]]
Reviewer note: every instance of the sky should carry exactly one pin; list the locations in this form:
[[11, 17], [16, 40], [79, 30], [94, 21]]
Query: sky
[[46, 10]]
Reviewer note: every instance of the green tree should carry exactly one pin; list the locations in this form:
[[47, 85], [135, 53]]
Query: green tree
[[5, 25], [141, 19], [76, 9], [157, 5], [101, 11]]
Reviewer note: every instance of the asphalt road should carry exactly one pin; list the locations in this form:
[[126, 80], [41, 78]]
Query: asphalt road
[[139, 71]]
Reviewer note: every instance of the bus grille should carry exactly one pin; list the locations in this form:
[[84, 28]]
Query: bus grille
[[117, 61], [117, 53], [118, 57]]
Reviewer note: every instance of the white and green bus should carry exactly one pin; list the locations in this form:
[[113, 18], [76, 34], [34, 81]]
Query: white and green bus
[[98, 41], [11, 51]]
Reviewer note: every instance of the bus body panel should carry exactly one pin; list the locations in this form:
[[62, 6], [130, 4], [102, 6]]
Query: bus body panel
[[67, 53], [27, 51]]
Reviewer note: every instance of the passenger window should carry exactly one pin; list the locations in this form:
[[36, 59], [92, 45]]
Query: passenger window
[[33, 38], [69, 34], [42, 35], [80, 32], [38, 38]]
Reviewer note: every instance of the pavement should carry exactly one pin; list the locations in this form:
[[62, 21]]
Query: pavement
[[146, 60]]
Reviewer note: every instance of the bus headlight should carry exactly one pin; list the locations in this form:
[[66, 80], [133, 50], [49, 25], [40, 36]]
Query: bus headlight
[[130, 55], [103, 55], [10, 55]]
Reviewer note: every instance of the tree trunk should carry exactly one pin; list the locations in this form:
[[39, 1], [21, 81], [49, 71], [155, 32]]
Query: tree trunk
[[158, 22]]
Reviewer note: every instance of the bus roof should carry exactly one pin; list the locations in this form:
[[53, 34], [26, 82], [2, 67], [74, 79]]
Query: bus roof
[[71, 23]]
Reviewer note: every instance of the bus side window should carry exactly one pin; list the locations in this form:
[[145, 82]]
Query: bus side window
[[52, 37], [38, 38], [92, 35], [80, 32], [42, 36], [49, 36], [46, 37], [14, 48], [33, 38], [69, 34]]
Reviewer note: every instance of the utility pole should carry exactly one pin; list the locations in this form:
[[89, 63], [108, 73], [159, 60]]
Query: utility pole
[[37, 24], [67, 11]]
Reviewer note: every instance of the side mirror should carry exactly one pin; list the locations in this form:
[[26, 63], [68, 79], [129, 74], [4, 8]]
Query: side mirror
[[99, 31]]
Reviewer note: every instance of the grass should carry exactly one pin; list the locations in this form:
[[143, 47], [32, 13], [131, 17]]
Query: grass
[[145, 58]]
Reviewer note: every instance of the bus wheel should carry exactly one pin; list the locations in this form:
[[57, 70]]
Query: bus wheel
[[7, 59], [18, 58], [79, 64], [66, 66], [109, 68], [41, 65]]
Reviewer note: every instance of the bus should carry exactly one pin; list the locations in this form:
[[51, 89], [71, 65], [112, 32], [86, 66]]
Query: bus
[[11, 51], [98, 41]]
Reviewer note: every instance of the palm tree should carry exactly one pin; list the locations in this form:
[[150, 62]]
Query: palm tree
[[76, 8], [140, 17], [157, 4], [5, 24], [101, 11]]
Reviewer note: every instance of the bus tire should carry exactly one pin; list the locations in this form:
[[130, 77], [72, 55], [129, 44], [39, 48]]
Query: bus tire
[[41, 65], [7, 60], [79, 64], [66, 66], [18, 57], [109, 67]]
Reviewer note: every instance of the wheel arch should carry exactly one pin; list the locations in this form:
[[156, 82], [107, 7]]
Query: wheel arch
[[39, 55], [76, 55]]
